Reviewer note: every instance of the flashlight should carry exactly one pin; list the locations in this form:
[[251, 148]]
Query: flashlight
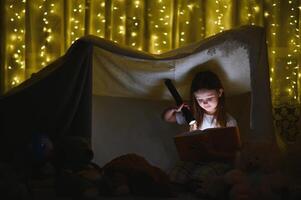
[[186, 112]]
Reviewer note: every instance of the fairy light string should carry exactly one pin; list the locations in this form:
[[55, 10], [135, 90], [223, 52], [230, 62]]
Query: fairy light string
[[154, 26]]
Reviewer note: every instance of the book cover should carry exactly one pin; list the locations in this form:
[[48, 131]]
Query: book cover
[[209, 144]]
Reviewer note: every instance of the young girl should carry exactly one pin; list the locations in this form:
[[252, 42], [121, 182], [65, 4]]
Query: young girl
[[207, 104], [208, 108]]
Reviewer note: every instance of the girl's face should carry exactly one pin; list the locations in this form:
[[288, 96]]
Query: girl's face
[[208, 99]]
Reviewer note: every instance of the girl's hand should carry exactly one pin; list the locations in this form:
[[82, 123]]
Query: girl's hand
[[193, 127], [179, 108], [169, 114], [183, 105]]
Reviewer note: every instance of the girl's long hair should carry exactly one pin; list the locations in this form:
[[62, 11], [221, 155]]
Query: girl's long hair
[[210, 81]]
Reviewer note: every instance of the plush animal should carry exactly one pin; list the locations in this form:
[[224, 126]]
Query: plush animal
[[133, 174], [258, 174], [77, 176]]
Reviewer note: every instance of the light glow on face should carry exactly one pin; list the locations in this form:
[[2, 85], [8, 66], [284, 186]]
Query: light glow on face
[[208, 99]]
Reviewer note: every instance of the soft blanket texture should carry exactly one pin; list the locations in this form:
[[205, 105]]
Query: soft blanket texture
[[114, 95]]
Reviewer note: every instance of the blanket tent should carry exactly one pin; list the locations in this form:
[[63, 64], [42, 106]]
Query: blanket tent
[[115, 96]]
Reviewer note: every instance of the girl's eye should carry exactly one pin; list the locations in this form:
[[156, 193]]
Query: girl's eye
[[207, 100]]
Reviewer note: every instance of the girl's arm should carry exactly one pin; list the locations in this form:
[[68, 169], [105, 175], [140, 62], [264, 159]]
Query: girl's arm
[[169, 115]]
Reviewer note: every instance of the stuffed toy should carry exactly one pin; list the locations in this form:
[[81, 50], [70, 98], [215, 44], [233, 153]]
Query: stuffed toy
[[77, 176], [258, 173], [131, 174]]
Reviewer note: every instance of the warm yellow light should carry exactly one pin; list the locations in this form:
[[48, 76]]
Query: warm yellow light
[[256, 8], [190, 6], [49, 38], [16, 79]]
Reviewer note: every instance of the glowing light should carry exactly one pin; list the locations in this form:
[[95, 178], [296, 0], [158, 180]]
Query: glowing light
[[161, 27], [256, 8]]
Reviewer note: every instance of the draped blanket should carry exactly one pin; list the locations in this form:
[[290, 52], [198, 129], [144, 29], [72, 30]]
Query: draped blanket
[[115, 95]]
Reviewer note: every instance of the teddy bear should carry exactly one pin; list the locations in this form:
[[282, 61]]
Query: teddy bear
[[132, 174], [258, 173]]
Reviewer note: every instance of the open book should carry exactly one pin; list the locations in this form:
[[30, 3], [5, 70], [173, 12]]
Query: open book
[[209, 144]]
